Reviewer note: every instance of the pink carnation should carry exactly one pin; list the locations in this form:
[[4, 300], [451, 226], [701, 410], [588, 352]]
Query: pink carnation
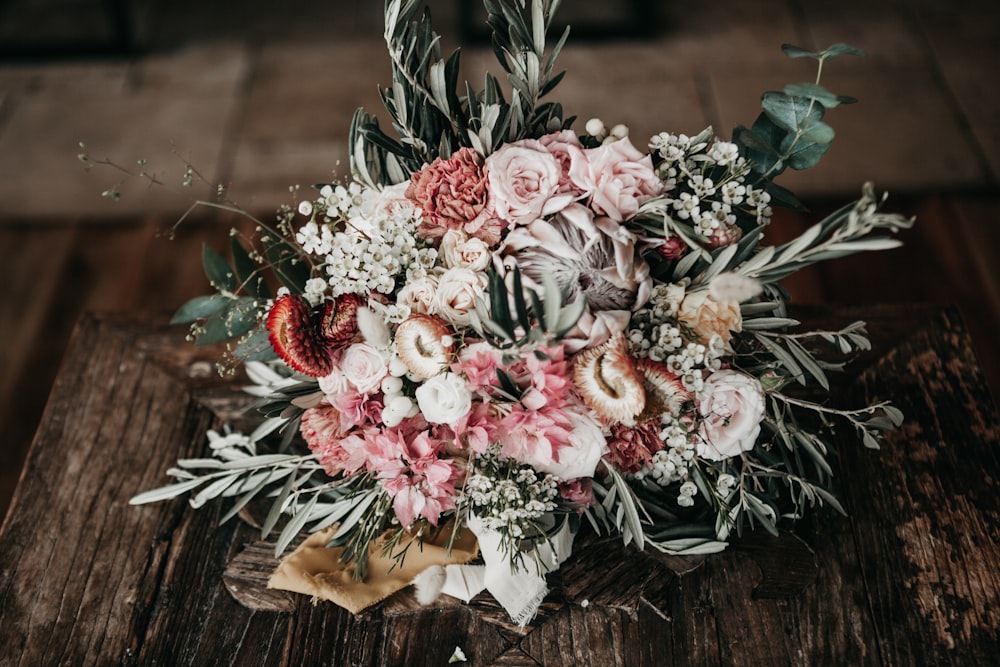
[[631, 448], [478, 363], [673, 247], [321, 428], [452, 194]]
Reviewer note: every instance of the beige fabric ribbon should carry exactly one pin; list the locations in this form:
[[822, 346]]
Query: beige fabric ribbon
[[314, 569]]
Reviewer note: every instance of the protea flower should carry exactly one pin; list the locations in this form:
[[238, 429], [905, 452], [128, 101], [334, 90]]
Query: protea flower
[[587, 256]]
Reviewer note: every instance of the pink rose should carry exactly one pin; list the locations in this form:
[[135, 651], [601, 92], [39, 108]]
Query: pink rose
[[731, 413], [524, 182], [364, 367], [617, 178], [452, 194], [565, 147]]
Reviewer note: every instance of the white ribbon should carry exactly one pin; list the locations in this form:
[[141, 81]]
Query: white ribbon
[[519, 591]]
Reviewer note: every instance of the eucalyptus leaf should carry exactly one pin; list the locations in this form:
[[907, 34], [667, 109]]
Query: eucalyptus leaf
[[200, 307], [219, 273]]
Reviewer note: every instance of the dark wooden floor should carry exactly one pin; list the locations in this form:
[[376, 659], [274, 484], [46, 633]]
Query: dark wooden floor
[[52, 273]]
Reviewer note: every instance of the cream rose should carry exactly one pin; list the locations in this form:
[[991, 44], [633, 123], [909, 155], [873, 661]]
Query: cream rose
[[444, 399], [732, 411], [364, 367], [705, 316], [459, 251], [524, 180], [456, 295], [418, 295]]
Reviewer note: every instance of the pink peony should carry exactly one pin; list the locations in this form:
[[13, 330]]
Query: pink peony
[[452, 194], [524, 182], [617, 178], [478, 362]]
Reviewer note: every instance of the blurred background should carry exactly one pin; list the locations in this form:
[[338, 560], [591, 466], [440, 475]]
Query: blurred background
[[259, 96]]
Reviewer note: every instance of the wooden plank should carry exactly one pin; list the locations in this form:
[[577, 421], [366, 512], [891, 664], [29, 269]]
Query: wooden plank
[[925, 508]]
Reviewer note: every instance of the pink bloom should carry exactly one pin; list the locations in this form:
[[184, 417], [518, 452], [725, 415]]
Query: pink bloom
[[452, 194], [725, 236], [477, 429], [673, 247], [565, 147], [579, 491], [617, 178], [534, 436], [631, 448], [733, 408], [408, 462], [478, 362], [524, 180], [321, 429], [356, 409]]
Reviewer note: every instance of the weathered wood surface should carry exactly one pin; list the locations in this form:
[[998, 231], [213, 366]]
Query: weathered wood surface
[[910, 578]]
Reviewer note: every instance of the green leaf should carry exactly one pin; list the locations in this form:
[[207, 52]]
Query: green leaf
[[789, 112], [798, 52], [218, 270], [248, 272], [279, 503], [298, 520], [199, 308], [256, 347], [841, 49], [804, 154], [238, 318], [814, 91]]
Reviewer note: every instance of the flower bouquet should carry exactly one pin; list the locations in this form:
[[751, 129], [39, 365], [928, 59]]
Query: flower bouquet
[[501, 331]]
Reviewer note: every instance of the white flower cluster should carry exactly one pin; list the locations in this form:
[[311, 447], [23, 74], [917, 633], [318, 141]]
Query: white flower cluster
[[672, 463], [365, 245], [509, 503], [689, 362], [708, 180], [654, 333]]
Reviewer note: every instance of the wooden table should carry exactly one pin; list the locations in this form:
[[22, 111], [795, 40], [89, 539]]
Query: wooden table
[[912, 577]]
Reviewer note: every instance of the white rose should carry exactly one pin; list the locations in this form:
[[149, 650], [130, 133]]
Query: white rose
[[580, 459], [364, 366], [444, 399], [456, 295], [457, 250], [732, 411]]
